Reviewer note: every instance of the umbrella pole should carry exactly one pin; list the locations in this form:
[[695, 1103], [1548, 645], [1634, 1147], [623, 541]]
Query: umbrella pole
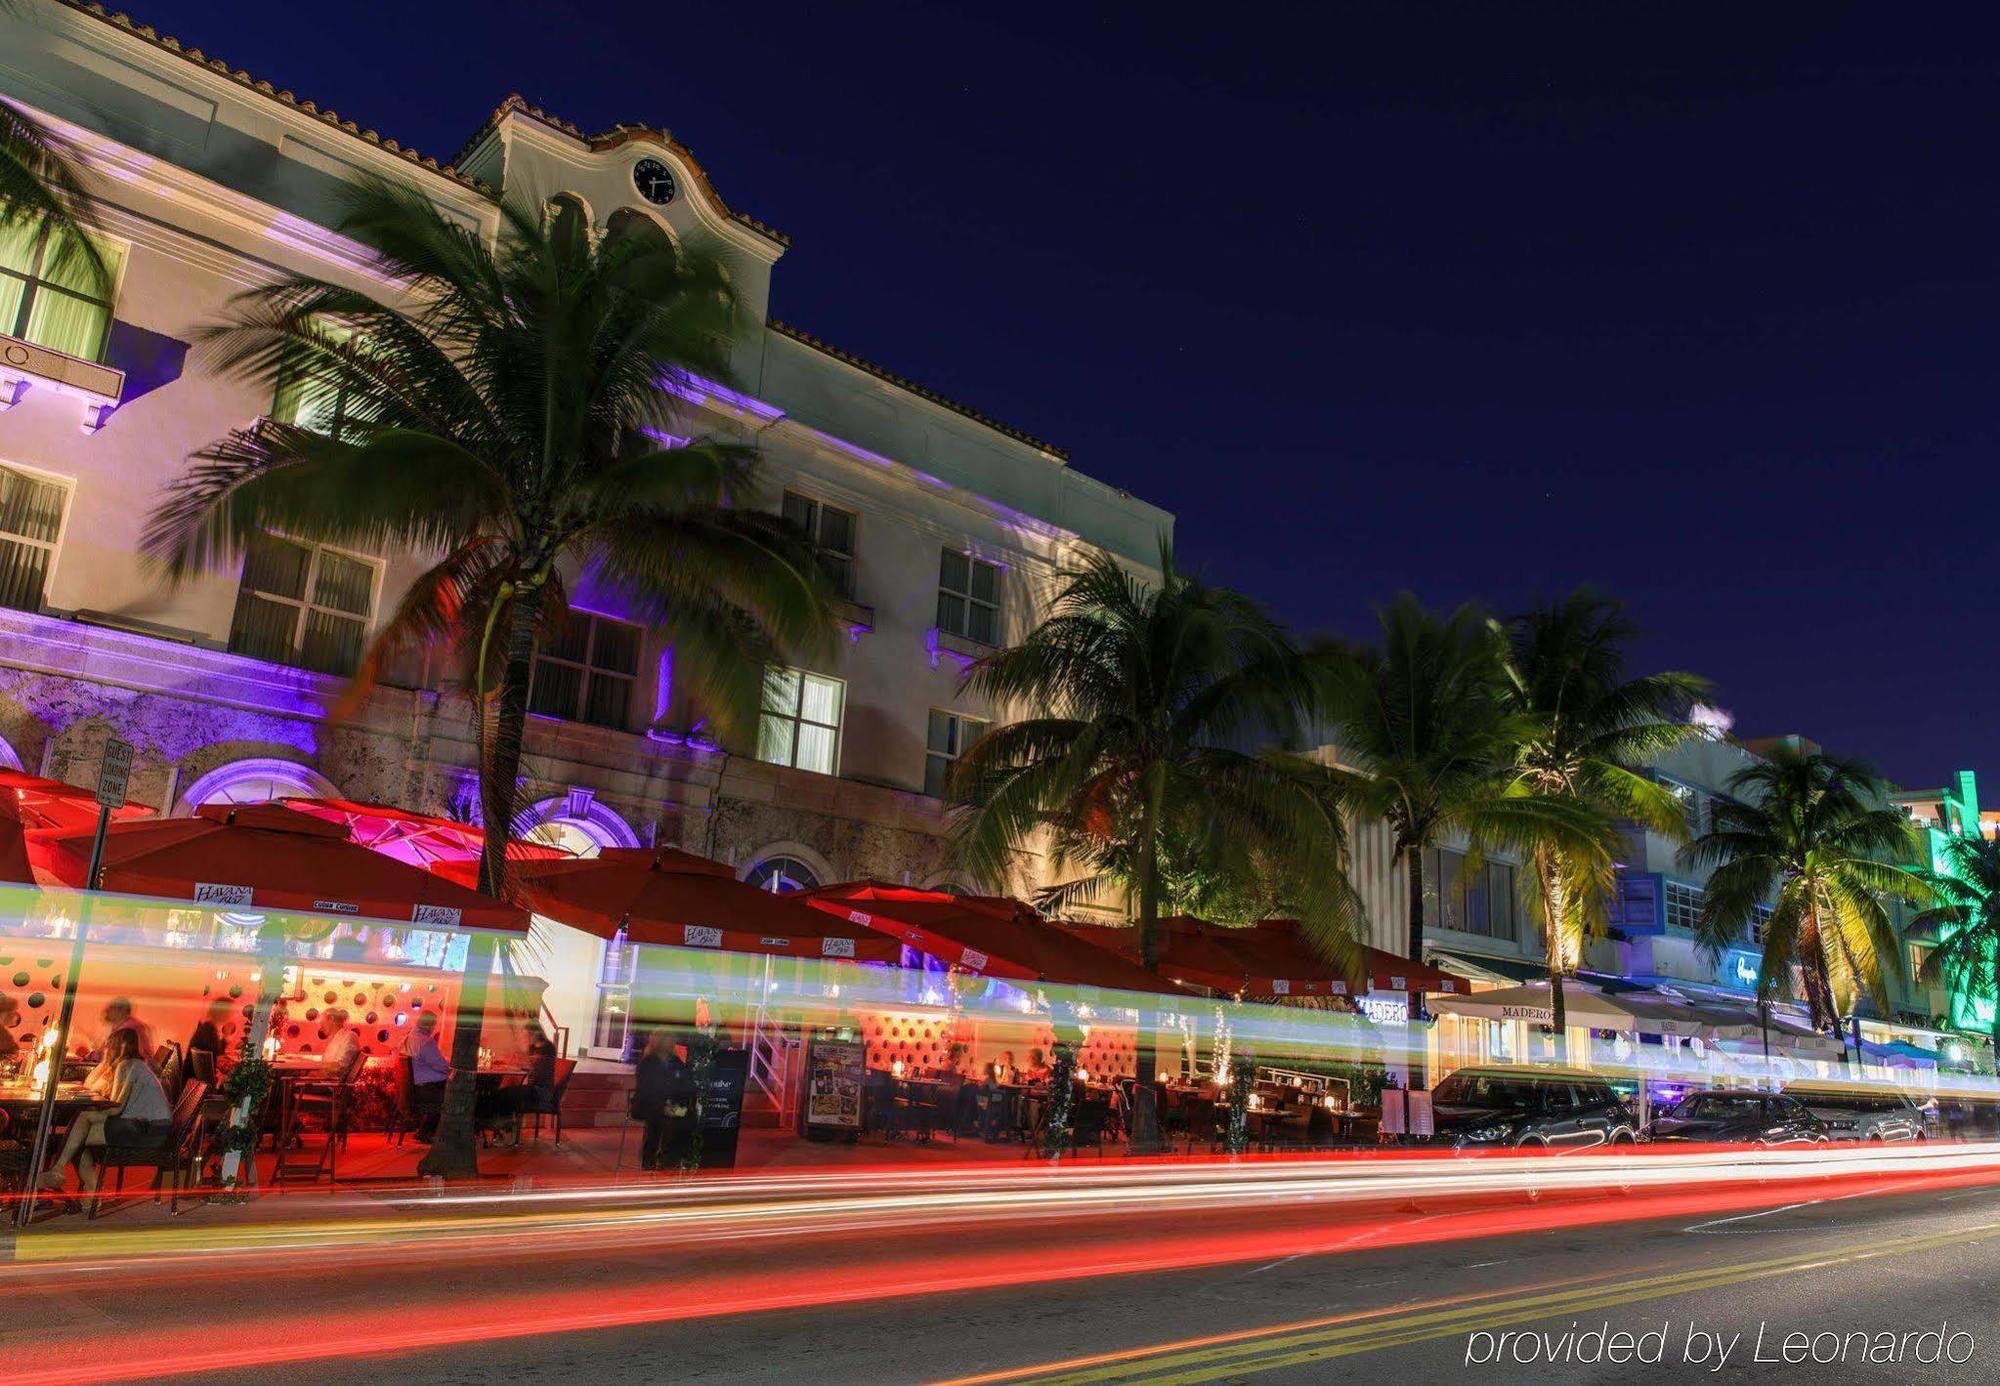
[[45, 1119]]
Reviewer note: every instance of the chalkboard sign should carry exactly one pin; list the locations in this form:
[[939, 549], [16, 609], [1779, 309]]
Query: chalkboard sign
[[719, 1111], [835, 1072]]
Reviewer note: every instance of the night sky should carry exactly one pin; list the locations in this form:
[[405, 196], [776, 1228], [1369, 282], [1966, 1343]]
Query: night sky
[[1694, 304]]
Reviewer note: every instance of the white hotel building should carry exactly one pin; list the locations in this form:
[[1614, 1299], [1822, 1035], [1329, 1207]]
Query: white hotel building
[[212, 180]]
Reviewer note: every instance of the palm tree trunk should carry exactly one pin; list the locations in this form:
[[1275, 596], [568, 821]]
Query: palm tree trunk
[[455, 1153], [1416, 1037], [1143, 1119], [1819, 983], [497, 781], [1552, 915]]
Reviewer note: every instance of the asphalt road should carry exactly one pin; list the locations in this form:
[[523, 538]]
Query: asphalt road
[[1895, 1264], [1898, 1264]]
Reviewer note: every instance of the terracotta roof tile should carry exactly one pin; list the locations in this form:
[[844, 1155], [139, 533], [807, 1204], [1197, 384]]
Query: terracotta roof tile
[[170, 44]]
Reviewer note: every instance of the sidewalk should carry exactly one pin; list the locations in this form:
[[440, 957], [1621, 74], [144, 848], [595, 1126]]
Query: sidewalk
[[376, 1176]]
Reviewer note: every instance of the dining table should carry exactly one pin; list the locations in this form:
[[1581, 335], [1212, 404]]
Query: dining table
[[20, 1112]]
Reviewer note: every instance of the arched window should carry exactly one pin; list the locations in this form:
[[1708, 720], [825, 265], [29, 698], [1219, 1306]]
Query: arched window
[[257, 781], [782, 875], [627, 221], [568, 835], [576, 823], [567, 212]]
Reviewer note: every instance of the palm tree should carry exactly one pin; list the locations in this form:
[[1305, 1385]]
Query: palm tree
[[516, 412], [1964, 921], [1424, 718], [1589, 730], [1425, 722], [1155, 697], [1809, 832]]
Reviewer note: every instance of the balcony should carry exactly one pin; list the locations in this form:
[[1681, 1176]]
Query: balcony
[[25, 366]]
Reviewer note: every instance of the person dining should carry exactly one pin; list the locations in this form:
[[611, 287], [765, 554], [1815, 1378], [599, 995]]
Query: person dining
[[1004, 1071], [10, 1010], [207, 1036], [429, 1072], [1038, 1069], [343, 1045], [118, 1018], [499, 1109], [141, 1118]]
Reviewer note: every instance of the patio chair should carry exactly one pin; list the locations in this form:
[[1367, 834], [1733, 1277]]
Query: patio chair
[[201, 1067], [1087, 1124], [1319, 1125], [179, 1155], [403, 1117], [550, 1106], [943, 1104], [909, 1115], [327, 1102], [1201, 1116], [166, 1065]]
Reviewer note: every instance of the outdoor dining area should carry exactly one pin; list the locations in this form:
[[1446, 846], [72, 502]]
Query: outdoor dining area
[[337, 944], [644, 1008]]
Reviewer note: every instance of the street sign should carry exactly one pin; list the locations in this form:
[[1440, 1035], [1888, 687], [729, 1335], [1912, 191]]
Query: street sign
[[112, 773]]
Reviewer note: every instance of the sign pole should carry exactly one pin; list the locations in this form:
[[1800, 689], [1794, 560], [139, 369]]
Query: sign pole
[[112, 777]]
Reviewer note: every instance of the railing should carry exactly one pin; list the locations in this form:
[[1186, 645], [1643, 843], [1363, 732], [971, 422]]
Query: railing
[[771, 1066], [558, 1033]]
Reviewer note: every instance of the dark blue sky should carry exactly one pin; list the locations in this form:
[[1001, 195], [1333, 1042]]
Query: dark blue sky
[[1696, 304]]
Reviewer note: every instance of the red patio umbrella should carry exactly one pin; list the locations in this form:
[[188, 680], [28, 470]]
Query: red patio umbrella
[[661, 895], [267, 857], [31, 805], [984, 934], [417, 838]]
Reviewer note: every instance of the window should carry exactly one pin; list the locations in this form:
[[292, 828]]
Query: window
[[31, 516], [782, 875], [801, 722], [969, 597], [1760, 920], [312, 402], [1691, 804], [951, 736], [1481, 903], [831, 530], [1683, 906], [585, 671], [48, 296], [302, 604]]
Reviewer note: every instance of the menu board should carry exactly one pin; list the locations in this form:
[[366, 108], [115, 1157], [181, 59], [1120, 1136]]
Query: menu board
[[835, 1071], [719, 1110]]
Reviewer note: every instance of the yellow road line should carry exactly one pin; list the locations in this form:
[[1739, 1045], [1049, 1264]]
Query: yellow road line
[[1167, 1366]]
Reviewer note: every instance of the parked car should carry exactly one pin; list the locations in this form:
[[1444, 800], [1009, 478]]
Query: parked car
[[1545, 1108], [1863, 1114], [1749, 1118]]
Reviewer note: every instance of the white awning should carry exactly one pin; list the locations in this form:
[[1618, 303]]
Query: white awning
[[1629, 1013]]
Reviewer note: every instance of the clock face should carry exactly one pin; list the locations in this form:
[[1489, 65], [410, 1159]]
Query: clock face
[[654, 180]]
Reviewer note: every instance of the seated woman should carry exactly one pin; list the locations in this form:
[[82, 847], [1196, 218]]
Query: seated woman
[[207, 1038], [500, 1109], [142, 1119], [1038, 1068]]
